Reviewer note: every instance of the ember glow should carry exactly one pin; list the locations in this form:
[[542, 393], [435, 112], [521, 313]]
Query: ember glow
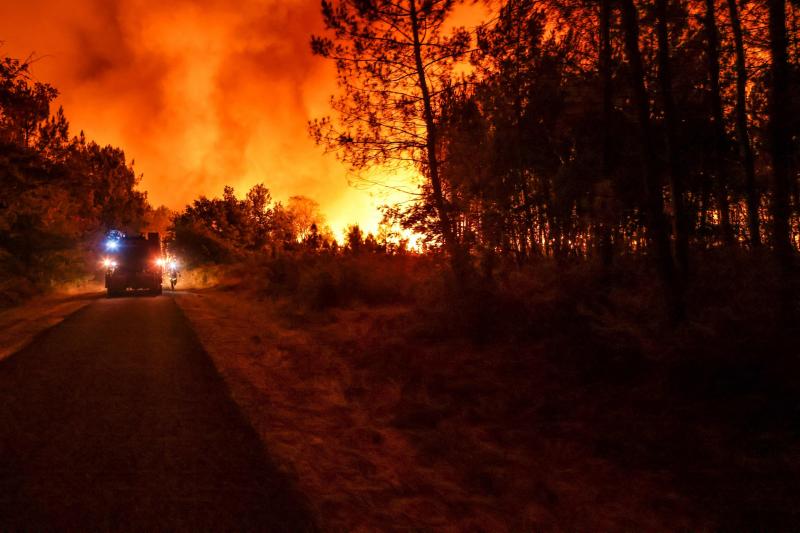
[[199, 93]]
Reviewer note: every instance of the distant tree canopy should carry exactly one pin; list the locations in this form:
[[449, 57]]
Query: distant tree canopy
[[214, 229], [305, 215], [58, 194], [579, 128], [158, 220], [219, 230]]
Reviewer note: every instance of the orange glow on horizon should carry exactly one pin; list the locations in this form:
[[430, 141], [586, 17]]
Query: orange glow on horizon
[[201, 94]]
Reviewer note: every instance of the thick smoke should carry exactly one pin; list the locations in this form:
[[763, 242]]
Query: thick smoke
[[200, 93]]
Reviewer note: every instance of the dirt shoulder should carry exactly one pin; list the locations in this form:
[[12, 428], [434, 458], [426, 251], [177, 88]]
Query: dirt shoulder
[[385, 430], [20, 324]]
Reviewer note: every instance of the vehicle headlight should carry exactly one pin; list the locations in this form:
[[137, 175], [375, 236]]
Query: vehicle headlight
[[173, 265]]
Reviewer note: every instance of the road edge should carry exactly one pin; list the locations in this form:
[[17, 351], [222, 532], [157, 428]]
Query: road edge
[[21, 325]]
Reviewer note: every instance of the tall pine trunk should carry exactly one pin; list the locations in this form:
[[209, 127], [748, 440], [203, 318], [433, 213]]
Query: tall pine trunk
[[652, 187], [448, 231], [675, 167], [719, 142], [746, 149], [604, 64], [779, 131]]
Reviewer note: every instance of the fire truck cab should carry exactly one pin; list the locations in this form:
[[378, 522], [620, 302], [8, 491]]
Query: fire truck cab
[[134, 262]]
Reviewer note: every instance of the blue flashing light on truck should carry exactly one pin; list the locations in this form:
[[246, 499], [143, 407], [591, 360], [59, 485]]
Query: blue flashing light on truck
[[133, 262]]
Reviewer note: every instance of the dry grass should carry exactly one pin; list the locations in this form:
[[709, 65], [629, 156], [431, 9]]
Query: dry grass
[[384, 432], [552, 401]]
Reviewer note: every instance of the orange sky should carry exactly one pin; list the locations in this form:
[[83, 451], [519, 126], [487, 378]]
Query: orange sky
[[200, 93]]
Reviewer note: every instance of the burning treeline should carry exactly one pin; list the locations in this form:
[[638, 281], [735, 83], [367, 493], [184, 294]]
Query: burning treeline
[[581, 129], [569, 130]]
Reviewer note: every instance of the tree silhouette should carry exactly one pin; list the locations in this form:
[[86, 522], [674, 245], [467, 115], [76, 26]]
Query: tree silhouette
[[305, 215], [394, 63], [742, 128], [58, 194], [780, 137]]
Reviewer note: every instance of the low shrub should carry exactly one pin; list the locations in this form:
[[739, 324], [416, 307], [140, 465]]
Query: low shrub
[[323, 281], [611, 311]]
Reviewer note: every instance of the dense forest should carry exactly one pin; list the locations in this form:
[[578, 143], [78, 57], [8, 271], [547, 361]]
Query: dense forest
[[59, 194], [578, 130]]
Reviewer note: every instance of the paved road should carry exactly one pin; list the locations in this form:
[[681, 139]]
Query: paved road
[[116, 419]]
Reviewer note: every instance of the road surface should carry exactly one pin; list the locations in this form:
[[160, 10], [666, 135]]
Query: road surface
[[116, 419]]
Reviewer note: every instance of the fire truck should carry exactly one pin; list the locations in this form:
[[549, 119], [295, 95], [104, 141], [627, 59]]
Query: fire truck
[[133, 263]]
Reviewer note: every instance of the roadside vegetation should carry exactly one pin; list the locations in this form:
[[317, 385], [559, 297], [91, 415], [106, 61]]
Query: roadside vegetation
[[391, 397], [60, 193]]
